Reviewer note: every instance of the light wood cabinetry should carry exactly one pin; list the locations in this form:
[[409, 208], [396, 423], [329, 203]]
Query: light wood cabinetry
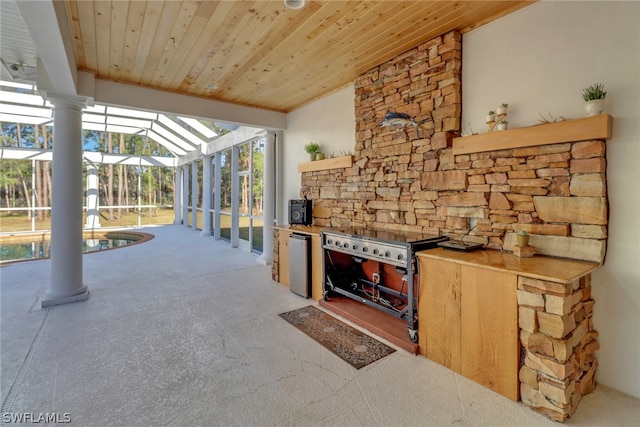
[[283, 251], [469, 322], [469, 313], [316, 267], [439, 310], [489, 329], [316, 257]]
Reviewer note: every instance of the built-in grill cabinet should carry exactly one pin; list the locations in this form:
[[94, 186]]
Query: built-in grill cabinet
[[376, 268]]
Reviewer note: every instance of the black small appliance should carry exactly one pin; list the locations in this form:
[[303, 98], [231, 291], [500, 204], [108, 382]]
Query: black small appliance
[[300, 211]]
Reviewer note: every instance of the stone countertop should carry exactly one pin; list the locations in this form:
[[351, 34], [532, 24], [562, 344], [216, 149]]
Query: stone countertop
[[539, 267]]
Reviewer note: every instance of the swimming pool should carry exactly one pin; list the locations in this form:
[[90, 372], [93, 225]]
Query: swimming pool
[[24, 247]]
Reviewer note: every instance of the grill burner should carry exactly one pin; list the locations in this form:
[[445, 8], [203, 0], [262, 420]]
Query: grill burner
[[385, 247]]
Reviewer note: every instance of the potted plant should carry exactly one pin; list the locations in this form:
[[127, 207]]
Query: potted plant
[[522, 238], [594, 96], [503, 109], [312, 148], [319, 155], [503, 125], [491, 116]]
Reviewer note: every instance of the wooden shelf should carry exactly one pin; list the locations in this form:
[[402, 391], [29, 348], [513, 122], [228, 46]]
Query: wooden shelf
[[332, 163], [595, 127]]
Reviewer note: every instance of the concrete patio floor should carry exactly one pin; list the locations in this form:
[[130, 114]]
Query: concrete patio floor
[[184, 331]]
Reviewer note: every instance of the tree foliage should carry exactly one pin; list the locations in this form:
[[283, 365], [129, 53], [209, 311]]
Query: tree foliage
[[28, 183], [129, 184]]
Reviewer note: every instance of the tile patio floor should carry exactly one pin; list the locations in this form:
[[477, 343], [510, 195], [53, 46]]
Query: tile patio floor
[[184, 331]]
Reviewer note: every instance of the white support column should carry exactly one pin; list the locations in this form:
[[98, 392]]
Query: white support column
[[235, 205], [93, 213], [268, 197], [177, 195], [66, 205], [194, 195], [281, 215], [216, 200], [185, 195], [206, 196]]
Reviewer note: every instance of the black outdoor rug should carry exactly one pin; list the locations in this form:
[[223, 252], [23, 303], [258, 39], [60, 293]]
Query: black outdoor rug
[[349, 344]]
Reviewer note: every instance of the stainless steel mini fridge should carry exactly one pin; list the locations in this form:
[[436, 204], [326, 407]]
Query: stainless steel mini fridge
[[299, 268]]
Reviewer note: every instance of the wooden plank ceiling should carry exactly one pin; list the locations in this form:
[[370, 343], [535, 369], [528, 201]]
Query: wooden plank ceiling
[[258, 53]]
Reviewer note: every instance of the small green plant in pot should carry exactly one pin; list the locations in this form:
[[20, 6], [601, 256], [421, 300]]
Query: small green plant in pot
[[523, 238], [594, 97], [313, 148]]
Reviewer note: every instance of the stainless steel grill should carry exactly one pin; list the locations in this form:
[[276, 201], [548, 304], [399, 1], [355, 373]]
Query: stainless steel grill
[[346, 252]]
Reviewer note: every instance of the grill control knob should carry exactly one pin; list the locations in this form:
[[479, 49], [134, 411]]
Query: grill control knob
[[375, 252], [365, 249], [354, 247], [337, 243], [345, 245], [329, 241], [400, 257], [387, 254]]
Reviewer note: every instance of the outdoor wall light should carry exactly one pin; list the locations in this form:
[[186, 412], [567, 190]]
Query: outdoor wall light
[[19, 71], [294, 4]]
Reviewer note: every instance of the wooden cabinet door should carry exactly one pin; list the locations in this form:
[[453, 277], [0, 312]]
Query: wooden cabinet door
[[439, 311], [283, 256], [489, 329], [316, 267]]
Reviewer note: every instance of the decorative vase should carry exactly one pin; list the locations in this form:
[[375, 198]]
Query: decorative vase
[[523, 240], [594, 107], [319, 156], [312, 156], [502, 126]]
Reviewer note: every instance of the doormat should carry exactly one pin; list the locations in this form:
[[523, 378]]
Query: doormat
[[348, 343]]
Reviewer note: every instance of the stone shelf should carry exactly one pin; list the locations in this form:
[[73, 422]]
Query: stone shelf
[[332, 163], [584, 129]]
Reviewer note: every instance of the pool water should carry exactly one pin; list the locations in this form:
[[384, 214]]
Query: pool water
[[42, 248]]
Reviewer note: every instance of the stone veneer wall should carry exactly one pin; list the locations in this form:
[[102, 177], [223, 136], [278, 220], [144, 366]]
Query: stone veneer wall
[[408, 179], [384, 186], [557, 335], [555, 192]]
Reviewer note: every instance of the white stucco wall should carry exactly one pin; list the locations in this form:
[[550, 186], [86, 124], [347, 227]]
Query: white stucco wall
[[538, 60], [330, 122]]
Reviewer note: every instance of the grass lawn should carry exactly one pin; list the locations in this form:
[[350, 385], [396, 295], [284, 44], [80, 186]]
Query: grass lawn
[[13, 222]]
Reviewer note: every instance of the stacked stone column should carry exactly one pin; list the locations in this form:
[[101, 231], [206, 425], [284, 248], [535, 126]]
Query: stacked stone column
[[559, 344], [275, 264]]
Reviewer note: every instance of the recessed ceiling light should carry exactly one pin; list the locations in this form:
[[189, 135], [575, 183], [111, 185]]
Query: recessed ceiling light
[[294, 4], [211, 86]]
